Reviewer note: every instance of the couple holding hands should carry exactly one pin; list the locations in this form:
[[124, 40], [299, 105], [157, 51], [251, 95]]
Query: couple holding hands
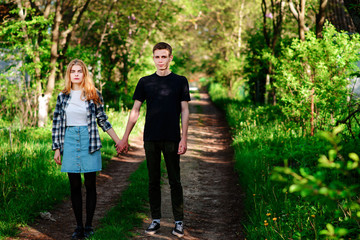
[[80, 108]]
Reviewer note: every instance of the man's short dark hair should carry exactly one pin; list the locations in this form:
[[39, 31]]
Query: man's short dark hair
[[162, 45]]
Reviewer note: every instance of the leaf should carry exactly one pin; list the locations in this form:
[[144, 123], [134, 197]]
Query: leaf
[[294, 188], [341, 231], [354, 157], [330, 228], [324, 191]]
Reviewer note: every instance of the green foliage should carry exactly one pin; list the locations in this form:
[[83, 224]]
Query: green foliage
[[334, 183], [25, 66], [262, 140], [317, 69]]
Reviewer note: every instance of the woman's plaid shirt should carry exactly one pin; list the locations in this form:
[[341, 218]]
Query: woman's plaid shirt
[[95, 113]]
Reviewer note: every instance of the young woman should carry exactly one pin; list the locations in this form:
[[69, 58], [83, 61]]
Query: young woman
[[76, 138]]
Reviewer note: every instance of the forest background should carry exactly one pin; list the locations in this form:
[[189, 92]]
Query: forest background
[[283, 74]]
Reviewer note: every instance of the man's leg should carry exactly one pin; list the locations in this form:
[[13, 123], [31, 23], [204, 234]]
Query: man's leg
[[172, 160], [153, 159]]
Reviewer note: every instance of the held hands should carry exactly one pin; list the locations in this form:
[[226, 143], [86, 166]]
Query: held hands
[[122, 146], [57, 156]]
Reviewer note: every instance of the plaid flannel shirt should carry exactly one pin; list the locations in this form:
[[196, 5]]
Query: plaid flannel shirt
[[95, 113]]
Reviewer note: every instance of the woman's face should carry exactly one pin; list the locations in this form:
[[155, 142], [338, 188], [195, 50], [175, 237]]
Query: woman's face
[[76, 75]]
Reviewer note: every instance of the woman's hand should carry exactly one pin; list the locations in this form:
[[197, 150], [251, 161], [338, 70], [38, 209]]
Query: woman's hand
[[57, 156], [122, 146]]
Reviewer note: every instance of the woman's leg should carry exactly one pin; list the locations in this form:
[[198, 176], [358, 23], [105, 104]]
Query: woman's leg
[[76, 198], [90, 185]]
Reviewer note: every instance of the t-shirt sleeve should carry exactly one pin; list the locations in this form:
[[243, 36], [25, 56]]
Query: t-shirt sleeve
[[185, 93], [139, 93]]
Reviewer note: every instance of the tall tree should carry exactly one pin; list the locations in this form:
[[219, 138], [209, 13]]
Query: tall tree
[[273, 16], [298, 11], [68, 13], [320, 18]]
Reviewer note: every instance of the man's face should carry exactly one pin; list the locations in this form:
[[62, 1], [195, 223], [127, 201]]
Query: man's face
[[162, 59]]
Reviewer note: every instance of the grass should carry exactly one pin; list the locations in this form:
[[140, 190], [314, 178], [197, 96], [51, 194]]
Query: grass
[[131, 209], [30, 181], [262, 140]]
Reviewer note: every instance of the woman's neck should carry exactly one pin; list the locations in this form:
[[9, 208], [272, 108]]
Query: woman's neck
[[76, 87]]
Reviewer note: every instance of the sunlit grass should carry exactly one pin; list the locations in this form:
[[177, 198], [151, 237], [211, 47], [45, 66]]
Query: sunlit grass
[[30, 181], [262, 140]]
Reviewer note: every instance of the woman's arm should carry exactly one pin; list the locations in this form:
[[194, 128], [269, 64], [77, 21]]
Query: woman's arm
[[113, 135]]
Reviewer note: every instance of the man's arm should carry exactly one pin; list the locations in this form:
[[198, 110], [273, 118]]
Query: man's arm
[[123, 145], [184, 127]]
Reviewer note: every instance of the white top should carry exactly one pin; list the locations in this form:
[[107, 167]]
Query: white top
[[76, 114]]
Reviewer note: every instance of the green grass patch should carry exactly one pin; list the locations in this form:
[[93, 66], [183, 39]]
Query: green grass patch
[[30, 181], [130, 211], [263, 139]]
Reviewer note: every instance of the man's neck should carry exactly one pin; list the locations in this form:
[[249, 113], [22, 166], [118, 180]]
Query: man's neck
[[163, 73]]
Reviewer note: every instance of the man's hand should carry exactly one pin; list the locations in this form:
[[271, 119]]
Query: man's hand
[[122, 146], [182, 147]]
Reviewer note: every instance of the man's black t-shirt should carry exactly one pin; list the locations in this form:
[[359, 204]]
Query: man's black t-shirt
[[163, 96]]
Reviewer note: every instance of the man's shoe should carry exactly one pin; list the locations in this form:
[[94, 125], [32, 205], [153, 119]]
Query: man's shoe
[[153, 227], [78, 233], [88, 231], [178, 229]]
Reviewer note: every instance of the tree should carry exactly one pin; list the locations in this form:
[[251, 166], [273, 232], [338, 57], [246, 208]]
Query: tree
[[298, 11], [320, 17], [29, 30], [313, 77], [275, 13], [122, 31], [24, 40], [62, 28]]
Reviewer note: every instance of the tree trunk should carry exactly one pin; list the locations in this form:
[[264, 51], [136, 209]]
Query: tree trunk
[[312, 112], [320, 18], [302, 20], [299, 14], [44, 100], [240, 29], [267, 87]]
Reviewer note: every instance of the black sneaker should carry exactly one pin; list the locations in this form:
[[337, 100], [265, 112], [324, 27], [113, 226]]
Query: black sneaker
[[178, 229], [78, 233], [88, 231], [153, 227]]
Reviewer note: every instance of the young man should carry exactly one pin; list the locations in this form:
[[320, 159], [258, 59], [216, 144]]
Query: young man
[[167, 96]]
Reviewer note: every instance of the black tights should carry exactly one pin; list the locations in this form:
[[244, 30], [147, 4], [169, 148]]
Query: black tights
[[76, 197]]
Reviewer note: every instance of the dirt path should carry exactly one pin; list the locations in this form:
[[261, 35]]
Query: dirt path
[[213, 200]]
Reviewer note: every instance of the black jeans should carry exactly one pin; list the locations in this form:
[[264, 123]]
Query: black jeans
[[172, 159]]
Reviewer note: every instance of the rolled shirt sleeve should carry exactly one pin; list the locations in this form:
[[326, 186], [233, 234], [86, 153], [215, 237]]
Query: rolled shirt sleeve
[[56, 143]]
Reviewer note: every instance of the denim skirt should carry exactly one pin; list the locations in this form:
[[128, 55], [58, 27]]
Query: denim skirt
[[76, 157]]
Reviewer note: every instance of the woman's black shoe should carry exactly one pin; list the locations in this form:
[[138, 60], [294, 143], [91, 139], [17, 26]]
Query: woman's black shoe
[[78, 233], [88, 231]]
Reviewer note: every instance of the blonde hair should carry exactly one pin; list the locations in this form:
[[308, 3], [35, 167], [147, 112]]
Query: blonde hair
[[89, 90]]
